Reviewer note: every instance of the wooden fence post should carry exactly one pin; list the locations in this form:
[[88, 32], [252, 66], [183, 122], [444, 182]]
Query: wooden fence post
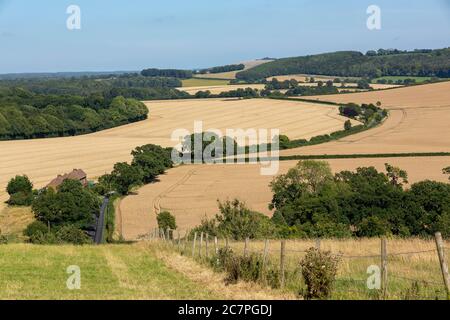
[[216, 246], [186, 242], [179, 240], [206, 245], [201, 244], [384, 266], [443, 262], [193, 245], [264, 262], [246, 247], [227, 245], [283, 264]]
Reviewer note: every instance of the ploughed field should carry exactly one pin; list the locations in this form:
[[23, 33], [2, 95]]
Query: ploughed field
[[96, 153]]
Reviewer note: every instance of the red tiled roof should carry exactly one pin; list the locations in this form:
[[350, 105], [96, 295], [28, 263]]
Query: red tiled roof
[[76, 174]]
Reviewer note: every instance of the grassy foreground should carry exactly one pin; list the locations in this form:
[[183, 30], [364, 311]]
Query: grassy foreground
[[413, 266], [107, 272]]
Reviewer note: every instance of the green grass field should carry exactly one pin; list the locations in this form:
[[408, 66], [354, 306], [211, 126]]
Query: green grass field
[[107, 272], [194, 82]]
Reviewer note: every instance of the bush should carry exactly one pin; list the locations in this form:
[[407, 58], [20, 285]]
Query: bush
[[73, 235], [247, 268], [44, 238], [166, 221], [20, 199], [20, 190], [19, 184], [319, 273], [35, 228], [68, 234]]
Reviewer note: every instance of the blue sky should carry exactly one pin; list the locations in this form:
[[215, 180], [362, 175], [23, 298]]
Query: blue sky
[[134, 34]]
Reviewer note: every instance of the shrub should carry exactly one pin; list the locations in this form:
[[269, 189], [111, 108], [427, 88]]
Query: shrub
[[34, 228], [247, 268], [19, 184], [347, 125], [73, 235], [20, 199], [44, 238], [319, 273], [166, 221], [20, 190], [68, 234]]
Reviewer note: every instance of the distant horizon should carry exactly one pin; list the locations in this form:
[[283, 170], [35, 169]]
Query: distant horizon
[[117, 71], [35, 36]]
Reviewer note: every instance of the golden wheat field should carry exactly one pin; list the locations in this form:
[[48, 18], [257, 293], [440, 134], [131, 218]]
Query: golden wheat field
[[221, 88], [217, 89], [419, 121], [191, 192], [96, 153]]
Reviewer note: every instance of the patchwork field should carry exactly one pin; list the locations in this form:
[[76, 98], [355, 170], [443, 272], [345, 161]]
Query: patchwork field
[[191, 192], [192, 86], [217, 89], [418, 122], [96, 153]]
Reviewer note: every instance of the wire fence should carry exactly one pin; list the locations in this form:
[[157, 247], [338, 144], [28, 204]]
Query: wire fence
[[416, 274]]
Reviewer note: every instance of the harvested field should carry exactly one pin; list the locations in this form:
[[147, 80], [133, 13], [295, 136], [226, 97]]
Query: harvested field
[[96, 153], [191, 192], [217, 89], [418, 122]]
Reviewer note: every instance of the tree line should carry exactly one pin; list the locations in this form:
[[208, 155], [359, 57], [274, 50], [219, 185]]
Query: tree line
[[221, 69], [311, 202], [26, 115], [434, 63], [174, 73]]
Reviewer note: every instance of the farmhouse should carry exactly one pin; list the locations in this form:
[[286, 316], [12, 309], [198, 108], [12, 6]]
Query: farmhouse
[[76, 174]]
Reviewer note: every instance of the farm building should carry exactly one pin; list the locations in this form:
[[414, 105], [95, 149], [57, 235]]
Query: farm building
[[76, 174]]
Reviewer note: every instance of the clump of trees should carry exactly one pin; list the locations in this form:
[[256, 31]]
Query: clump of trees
[[237, 222], [64, 215], [20, 190], [149, 161], [430, 63], [221, 69], [166, 221], [174, 73], [309, 201], [26, 115]]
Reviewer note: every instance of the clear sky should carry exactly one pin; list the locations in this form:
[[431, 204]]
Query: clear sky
[[134, 34]]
